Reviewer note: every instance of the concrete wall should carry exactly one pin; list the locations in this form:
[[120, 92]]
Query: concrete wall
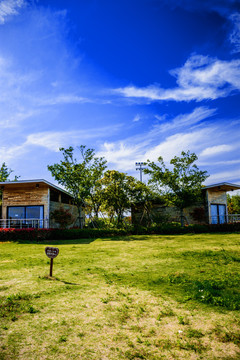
[[200, 213], [160, 214], [216, 197], [71, 208]]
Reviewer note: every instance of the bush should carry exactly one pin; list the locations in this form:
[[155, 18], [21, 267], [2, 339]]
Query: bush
[[62, 217], [68, 234], [57, 234]]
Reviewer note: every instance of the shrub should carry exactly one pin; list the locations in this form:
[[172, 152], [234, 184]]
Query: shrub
[[62, 217]]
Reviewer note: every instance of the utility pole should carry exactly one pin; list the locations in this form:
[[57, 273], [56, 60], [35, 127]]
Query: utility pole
[[140, 168]]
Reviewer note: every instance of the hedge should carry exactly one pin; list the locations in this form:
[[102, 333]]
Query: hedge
[[39, 235]]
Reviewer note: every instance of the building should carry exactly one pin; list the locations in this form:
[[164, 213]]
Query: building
[[211, 209], [29, 203]]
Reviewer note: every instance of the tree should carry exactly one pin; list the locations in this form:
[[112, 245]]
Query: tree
[[5, 172], [95, 199], [233, 204], [182, 185], [78, 177], [120, 191]]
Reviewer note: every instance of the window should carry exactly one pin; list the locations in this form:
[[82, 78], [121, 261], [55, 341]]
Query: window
[[25, 216], [54, 195], [218, 214]]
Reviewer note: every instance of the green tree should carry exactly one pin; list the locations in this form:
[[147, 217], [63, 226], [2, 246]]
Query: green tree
[[78, 176], [180, 185], [5, 172], [233, 204], [120, 191], [95, 200]]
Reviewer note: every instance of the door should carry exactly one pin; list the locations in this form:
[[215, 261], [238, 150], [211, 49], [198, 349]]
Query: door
[[222, 214], [218, 213], [214, 214]]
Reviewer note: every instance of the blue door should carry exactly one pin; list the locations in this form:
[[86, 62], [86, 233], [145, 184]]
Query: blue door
[[222, 214], [214, 214], [218, 214]]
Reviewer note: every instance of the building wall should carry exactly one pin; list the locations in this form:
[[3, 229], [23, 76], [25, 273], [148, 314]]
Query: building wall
[[71, 208], [196, 214], [216, 197], [29, 195], [25, 195]]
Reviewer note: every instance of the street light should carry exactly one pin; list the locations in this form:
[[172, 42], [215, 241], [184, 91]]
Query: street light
[[140, 168]]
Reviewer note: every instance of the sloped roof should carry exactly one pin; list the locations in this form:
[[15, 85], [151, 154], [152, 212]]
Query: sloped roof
[[224, 186], [35, 181]]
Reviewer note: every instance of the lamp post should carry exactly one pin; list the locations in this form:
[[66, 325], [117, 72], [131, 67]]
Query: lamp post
[[140, 168]]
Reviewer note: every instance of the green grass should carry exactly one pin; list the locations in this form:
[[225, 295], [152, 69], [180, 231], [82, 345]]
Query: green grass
[[137, 297]]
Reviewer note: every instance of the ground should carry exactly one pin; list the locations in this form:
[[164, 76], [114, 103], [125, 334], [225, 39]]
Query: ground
[[138, 297]]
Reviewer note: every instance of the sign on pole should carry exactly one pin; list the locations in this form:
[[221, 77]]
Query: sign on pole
[[51, 252]]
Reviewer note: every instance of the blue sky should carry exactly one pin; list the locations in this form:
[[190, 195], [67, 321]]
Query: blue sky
[[133, 79]]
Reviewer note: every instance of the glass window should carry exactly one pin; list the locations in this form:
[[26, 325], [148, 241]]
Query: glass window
[[25, 216], [34, 212], [16, 212]]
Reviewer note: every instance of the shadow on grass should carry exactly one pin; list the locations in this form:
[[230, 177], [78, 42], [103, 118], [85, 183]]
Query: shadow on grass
[[56, 242], [129, 238], [52, 278], [86, 241]]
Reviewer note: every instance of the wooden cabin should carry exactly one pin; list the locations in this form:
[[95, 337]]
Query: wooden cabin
[[29, 203]]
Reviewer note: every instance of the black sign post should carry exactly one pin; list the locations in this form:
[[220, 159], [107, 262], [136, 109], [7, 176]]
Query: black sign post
[[51, 252]]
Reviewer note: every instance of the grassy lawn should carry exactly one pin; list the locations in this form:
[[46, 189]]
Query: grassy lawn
[[139, 297]]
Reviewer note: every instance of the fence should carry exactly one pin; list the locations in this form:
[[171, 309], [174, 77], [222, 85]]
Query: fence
[[222, 219], [24, 223]]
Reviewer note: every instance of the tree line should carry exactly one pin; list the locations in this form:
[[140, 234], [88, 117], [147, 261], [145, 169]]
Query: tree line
[[97, 189], [112, 192]]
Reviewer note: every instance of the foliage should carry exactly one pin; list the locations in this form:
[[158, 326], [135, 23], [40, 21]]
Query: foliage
[[233, 204], [182, 185], [39, 235], [95, 199], [78, 176], [5, 172], [62, 217], [120, 191]]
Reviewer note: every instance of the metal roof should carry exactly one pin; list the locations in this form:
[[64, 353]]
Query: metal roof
[[36, 181], [224, 186]]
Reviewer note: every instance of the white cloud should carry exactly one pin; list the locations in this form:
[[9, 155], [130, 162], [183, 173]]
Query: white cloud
[[136, 118], [235, 34], [200, 78], [10, 7], [214, 150], [174, 144], [8, 153], [53, 140], [124, 154], [187, 120], [63, 99], [121, 154], [233, 175]]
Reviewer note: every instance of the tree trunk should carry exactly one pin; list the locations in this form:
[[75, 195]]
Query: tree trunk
[[80, 218], [181, 215]]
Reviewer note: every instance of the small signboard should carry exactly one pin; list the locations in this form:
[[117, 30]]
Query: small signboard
[[51, 252]]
